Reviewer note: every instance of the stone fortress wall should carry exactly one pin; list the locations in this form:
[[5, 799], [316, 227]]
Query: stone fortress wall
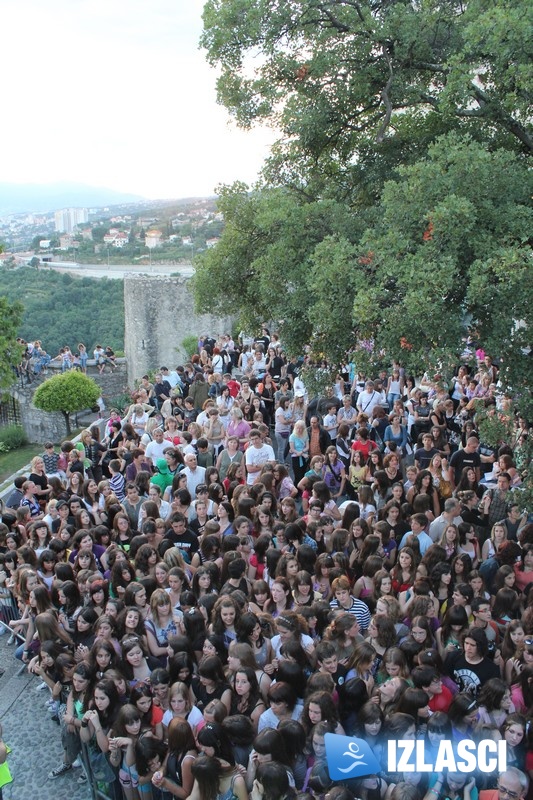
[[159, 314], [43, 425]]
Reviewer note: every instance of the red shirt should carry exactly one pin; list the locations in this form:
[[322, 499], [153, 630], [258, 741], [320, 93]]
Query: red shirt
[[157, 716], [234, 387], [441, 701], [364, 447]]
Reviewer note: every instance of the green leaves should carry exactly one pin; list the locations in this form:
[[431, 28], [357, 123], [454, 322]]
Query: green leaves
[[332, 74], [10, 351], [58, 307], [270, 258], [71, 391], [439, 259], [396, 204]]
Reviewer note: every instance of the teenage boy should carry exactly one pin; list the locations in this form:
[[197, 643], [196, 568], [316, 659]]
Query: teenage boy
[[345, 601], [428, 679]]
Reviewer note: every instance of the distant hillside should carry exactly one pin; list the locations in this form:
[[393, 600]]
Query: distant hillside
[[20, 197], [60, 309]]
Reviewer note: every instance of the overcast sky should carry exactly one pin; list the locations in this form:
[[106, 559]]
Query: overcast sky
[[117, 94]]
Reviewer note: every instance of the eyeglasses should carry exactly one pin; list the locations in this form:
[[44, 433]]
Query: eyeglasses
[[506, 793]]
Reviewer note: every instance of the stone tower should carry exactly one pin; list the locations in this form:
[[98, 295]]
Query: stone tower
[[159, 314]]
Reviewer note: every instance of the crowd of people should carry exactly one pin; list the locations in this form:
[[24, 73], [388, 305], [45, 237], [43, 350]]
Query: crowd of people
[[36, 361], [233, 569]]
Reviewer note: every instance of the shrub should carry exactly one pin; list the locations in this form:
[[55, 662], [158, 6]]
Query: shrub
[[121, 403], [12, 437], [190, 345]]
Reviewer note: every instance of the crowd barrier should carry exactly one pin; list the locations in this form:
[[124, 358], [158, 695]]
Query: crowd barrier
[[101, 789], [9, 613]]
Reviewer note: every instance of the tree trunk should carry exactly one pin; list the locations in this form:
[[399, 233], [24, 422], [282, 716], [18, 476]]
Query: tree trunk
[[66, 414]]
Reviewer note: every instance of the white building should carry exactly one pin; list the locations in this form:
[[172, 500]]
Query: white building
[[153, 239], [68, 218]]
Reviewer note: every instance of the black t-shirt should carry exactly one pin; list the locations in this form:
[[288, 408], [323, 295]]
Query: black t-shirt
[[276, 365], [228, 587], [39, 480], [423, 456], [187, 542], [162, 388], [203, 697], [462, 459], [293, 370], [469, 677], [398, 531]]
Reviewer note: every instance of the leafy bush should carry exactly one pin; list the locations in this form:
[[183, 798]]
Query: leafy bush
[[190, 345], [121, 403], [12, 437]]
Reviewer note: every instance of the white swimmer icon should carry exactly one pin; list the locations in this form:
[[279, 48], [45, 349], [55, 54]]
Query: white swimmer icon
[[353, 752]]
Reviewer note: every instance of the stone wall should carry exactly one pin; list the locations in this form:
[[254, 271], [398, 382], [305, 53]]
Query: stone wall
[[41, 425], [159, 314]]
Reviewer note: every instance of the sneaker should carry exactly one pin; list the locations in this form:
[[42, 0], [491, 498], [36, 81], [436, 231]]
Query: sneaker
[[42, 685], [82, 779], [76, 764], [11, 639], [60, 770]]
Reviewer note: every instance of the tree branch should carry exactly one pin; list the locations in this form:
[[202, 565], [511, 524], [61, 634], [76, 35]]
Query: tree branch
[[386, 99], [340, 26], [487, 102], [357, 8]]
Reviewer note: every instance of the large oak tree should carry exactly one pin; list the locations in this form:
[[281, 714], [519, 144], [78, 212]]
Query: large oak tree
[[395, 207]]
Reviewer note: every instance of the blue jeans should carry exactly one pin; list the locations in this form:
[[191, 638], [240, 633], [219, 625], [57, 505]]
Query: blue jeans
[[281, 444], [19, 652], [391, 397]]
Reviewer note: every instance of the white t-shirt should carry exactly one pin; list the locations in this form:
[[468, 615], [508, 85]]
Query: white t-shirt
[[367, 401], [256, 457], [155, 450], [194, 718]]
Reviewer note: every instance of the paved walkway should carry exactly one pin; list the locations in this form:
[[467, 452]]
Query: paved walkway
[[33, 737]]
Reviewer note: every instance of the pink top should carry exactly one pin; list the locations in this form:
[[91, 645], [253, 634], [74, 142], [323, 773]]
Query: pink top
[[518, 698], [523, 578]]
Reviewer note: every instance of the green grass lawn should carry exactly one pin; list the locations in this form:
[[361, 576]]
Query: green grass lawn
[[16, 459]]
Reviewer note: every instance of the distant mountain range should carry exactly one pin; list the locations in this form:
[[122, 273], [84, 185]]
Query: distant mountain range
[[16, 198]]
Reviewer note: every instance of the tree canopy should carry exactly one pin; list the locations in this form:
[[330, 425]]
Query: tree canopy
[[10, 351], [67, 393], [394, 211], [60, 309], [334, 74]]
